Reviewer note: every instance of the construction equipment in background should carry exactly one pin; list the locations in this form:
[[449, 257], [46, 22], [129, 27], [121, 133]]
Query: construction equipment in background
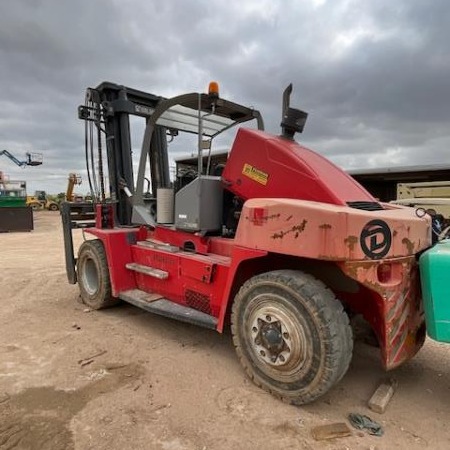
[[12, 193], [14, 215], [81, 207], [431, 189], [73, 180], [40, 200], [278, 242], [431, 196], [382, 182], [31, 159]]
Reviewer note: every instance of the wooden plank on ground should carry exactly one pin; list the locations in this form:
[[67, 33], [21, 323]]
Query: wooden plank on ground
[[381, 397], [331, 431]]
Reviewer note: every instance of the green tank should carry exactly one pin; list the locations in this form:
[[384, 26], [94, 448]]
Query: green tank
[[11, 195], [435, 280], [12, 201]]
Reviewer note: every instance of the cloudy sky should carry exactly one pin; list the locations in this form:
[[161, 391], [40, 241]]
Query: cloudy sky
[[373, 75]]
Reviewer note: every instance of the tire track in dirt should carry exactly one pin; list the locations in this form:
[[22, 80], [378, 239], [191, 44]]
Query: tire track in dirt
[[39, 417]]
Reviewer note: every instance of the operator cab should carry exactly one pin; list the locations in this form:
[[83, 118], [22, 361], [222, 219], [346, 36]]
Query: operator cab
[[196, 202]]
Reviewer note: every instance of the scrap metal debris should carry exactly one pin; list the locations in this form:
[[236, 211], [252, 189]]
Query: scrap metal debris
[[362, 422]]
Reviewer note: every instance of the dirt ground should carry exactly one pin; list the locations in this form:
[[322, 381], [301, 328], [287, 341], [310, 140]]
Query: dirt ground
[[126, 379]]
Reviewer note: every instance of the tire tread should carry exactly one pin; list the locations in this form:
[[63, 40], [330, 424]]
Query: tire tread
[[322, 303], [105, 300]]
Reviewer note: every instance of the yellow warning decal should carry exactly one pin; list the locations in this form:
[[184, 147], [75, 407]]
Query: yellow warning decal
[[255, 174]]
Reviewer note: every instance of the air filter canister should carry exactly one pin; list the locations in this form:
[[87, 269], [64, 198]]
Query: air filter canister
[[164, 205]]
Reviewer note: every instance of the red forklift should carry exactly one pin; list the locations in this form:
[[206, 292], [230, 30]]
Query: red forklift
[[278, 243]]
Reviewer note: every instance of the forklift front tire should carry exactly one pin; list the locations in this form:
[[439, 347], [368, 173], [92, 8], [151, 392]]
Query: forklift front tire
[[93, 276], [291, 335]]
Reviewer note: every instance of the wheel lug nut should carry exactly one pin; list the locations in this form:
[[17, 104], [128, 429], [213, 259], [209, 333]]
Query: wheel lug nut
[[281, 358], [254, 329], [286, 335], [262, 353], [268, 318]]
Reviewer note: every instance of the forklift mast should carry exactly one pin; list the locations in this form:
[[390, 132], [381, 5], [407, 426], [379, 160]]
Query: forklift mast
[[109, 107]]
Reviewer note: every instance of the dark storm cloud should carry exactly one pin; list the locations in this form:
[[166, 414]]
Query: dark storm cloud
[[374, 76]]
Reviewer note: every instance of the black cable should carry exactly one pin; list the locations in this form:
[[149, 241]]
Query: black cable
[[86, 149], [92, 155], [100, 163]]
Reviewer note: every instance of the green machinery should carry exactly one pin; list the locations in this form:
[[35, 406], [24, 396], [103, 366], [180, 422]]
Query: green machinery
[[434, 274], [12, 193], [14, 213]]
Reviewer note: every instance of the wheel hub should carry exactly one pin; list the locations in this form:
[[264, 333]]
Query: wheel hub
[[90, 277], [271, 339]]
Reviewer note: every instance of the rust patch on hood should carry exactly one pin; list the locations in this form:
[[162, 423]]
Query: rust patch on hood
[[325, 226], [409, 245], [258, 216], [297, 229], [264, 218], [350, 242]]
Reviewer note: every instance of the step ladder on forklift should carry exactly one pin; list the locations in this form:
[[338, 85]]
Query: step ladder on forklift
[[156, 303]]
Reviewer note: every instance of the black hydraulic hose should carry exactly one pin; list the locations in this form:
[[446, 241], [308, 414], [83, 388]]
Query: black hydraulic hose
[[100, 163], [86, 152], [91, 151]]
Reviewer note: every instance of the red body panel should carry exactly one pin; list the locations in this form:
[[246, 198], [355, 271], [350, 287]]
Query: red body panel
[[194, 280], [284, 169], [295, 217], [393, 308], [326, 232], [202, 281], [117, 244]]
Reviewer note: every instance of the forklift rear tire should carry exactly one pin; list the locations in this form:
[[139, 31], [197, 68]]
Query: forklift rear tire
[[291, 334], [53, 207], [93, 276]]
